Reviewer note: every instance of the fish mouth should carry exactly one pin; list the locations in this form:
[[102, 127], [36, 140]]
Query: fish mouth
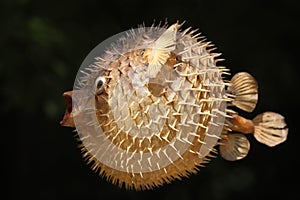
[[68, 117]]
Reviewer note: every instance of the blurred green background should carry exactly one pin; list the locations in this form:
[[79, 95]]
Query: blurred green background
[[43, 44]]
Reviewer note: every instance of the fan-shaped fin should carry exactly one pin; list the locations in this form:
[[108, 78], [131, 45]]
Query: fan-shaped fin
[[270, 128], [161, 49], [234, 146], [245, 90]]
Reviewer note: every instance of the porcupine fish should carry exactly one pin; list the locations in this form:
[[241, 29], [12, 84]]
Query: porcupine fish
[[155, 105]]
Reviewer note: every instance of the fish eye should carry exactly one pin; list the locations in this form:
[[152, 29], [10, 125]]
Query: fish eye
[[99, 82]]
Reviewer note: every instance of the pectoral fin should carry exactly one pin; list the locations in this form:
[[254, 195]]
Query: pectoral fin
[[270, 128], [245, 91], [234, 146], [161, 49]]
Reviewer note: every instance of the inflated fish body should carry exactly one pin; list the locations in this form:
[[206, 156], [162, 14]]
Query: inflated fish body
[[155, 105]]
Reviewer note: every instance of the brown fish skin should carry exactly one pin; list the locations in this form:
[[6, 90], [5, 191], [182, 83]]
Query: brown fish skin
[[237, 123], [241, 124]]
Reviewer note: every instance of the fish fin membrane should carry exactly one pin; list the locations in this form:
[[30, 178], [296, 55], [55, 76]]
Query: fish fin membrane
[[234, 146], [160, 52], [245, 90], [270, 128]]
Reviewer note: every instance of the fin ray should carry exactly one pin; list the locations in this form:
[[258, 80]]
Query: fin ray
[[234, 146], [270, 128], [160, 51], [244, 87]]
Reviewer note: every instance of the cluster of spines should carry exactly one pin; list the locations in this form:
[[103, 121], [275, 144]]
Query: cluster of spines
[[221, 70]]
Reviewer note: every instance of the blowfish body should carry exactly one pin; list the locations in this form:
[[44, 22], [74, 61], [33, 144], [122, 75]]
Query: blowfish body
[[154, 107]]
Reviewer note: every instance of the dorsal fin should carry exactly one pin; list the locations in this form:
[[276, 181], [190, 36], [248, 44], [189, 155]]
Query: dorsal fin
[[245, 90]]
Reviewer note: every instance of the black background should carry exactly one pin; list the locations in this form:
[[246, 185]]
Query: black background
[[43, 44]]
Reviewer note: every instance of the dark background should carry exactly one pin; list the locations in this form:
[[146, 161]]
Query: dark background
[[43, 44]]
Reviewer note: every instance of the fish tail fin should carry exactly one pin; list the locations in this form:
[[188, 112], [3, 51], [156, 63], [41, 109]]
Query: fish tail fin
[[244, 89], [234, 146], [270, 128]]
